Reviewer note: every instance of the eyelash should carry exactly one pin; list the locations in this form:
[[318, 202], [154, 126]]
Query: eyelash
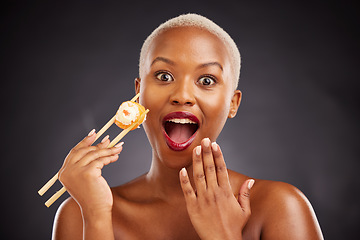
[[163, 72], [213, 78]]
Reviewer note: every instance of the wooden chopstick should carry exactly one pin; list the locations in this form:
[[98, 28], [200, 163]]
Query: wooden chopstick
[[113, 142], [51, 182], [48, 184]]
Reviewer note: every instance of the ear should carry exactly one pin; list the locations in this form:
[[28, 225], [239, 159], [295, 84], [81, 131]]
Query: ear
[[137, 85], [235, 103]]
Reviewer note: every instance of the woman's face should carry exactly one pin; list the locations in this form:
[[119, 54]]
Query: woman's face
[[187, 85]]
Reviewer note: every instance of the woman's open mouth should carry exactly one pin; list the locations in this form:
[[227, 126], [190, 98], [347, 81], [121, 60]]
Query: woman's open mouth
[[180, 129]]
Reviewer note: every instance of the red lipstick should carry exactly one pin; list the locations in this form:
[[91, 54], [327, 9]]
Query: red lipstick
[[180, 124]]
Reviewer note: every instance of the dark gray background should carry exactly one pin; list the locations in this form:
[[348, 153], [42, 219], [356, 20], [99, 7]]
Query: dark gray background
[[66, 66]]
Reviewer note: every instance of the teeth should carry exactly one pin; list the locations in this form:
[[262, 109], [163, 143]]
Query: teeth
[[181, 121]]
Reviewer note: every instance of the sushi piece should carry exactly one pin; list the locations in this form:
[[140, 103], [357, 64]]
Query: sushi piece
[[129, 112]]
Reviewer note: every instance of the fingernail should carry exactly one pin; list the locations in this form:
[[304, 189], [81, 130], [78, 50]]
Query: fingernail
[[91, 132], [251, 183], [198, 150], [105, 139], [214, 146], [206, 142], [183, 172], [119, 145]]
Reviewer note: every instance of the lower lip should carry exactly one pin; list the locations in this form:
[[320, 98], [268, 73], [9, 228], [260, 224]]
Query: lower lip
[[178, 146]]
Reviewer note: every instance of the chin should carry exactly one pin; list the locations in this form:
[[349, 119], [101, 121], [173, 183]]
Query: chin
[[175, 159]]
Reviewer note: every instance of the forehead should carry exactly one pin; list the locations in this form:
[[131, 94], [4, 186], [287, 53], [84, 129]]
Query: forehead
[[188, 44]]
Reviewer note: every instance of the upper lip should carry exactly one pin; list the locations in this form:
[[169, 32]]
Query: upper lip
[[181, 115]]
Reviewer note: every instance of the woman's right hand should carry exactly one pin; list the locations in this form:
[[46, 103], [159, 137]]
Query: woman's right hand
[[81, 174]]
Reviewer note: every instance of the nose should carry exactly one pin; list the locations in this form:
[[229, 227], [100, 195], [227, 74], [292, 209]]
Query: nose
[[183, 94]]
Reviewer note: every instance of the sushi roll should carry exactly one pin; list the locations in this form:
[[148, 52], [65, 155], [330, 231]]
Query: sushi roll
[[129, 112]]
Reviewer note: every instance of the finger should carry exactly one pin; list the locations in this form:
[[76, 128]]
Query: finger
[[100, 153], [104, 142], [87, 141], [198, 170], [76, 155], [209, 164], [189, 193], [244, 196], [221, 170], [103, 161]]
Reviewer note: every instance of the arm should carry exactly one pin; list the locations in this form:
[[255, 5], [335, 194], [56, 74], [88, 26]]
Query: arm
[[288, 214], [88, 214], [70, 223]]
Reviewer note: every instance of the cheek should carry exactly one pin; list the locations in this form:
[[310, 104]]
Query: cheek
[[151, 96], [153, 99], [216, 110]]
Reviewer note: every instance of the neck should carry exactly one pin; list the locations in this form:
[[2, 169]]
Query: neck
[[165, 180]]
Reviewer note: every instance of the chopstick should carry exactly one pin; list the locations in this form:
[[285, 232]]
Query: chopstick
[[113, 142], [102, 130], [55, 177]]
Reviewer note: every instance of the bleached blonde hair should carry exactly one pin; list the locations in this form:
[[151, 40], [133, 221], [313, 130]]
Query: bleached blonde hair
[[195, 20]]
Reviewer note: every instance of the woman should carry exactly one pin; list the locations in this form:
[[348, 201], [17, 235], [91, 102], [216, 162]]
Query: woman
[[188, 75]]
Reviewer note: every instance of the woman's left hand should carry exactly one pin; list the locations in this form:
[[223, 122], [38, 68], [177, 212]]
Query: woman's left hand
[[213, 209]]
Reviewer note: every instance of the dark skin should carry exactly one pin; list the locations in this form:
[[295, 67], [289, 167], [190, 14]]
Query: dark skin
[[205, 200]]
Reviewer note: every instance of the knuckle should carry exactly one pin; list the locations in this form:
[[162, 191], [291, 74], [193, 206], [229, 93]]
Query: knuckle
[[210, 199], [73, 151], [200, 176], [217, 195], [197, 160], [64, 176], [221, 168], [107, 160], [113, 150], [61, 176], [185, 181], [95, 154], [245, 195], [187, 191], [210, 167]]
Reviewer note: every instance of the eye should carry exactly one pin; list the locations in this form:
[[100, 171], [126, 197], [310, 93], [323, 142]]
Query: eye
[[164, 76], [207, 81]]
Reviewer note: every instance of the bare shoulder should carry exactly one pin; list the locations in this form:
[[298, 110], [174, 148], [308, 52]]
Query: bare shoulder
[[135, 190], [284, 211], [278, 210], [68, 221]]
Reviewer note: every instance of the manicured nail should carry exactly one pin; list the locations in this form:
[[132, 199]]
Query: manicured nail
[[119, 145], [214, 146], [251, 183], [183, 172], [206, 142], [198, 150], [91, 132], [105, 139]]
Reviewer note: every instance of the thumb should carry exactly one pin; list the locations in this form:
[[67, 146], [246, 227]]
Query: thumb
[[244, 196]]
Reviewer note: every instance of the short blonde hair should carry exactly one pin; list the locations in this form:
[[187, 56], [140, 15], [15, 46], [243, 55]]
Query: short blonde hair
[[195, 20]]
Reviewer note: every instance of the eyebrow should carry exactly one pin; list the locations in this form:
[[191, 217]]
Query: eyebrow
[[166, 60], [211, 64], [162, 59]]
